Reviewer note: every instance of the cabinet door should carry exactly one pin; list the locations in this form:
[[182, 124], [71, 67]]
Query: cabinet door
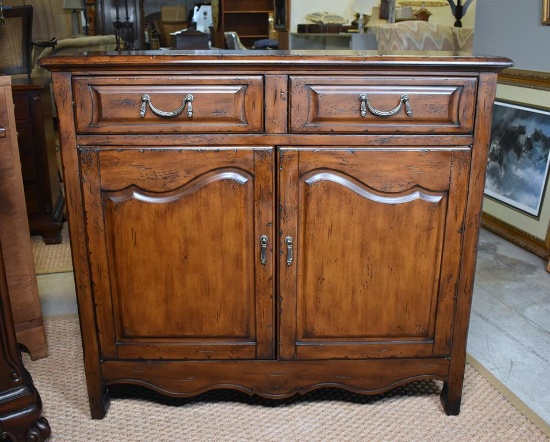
[[374, 259], [174, 240]]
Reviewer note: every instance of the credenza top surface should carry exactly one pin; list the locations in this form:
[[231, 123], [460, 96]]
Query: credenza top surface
[[275, 60]]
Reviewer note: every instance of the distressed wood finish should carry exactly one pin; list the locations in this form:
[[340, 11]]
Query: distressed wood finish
[[14, 234], [20, 404], [306, 247]]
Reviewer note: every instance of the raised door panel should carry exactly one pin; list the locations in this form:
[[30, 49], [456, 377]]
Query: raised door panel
[[376, 238], [175, 253]]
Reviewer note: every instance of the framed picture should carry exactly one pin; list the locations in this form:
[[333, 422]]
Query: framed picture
[[546, 12], [519, 156], [516, 204], [89, 18]]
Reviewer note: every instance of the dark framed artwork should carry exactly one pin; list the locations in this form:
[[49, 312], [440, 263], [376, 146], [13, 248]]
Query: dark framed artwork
[[516, 204], [546, 12], [519, 156]]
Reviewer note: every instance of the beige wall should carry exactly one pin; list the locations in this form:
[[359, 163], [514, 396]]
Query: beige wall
[[300, 8]]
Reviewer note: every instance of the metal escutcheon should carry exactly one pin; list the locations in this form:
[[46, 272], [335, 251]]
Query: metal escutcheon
[[289, 250], [263, 249]]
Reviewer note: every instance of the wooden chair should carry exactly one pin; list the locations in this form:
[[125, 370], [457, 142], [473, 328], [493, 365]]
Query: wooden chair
[[16, 38]]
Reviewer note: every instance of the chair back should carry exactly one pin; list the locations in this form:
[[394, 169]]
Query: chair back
[[232, 41], [16, 40]]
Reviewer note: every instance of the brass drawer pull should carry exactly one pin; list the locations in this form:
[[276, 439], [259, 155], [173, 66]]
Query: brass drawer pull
[[146, 99], [263, 248], [364, 99]]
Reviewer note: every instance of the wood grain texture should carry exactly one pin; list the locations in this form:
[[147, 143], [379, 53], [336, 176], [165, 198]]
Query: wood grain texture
[[15, 237], [20, 404], [332, 104], [274, 379]]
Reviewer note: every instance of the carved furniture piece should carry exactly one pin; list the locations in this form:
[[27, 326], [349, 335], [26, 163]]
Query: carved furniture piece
[[14, 234], [274, 223], [36, 136], [20, 405]]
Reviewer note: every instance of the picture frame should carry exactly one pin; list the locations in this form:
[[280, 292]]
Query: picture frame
[[519, 156], [546, 12], [529, 229]]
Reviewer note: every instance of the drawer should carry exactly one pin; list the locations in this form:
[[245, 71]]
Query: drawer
[[354, 104], [168, 104]]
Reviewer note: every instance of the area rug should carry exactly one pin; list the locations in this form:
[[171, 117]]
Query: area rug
[[52, 258], [409, 413]]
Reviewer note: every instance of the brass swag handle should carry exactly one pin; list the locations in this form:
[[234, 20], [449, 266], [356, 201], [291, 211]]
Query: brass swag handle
[[364, 99], [146, 100]]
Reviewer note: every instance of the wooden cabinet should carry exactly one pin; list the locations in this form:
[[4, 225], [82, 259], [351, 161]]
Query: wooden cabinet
[[20, 405], [274, 224], [33, 117], [14, 233]]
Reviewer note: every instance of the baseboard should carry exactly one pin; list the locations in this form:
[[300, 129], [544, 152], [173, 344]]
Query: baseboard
[[510, 396]]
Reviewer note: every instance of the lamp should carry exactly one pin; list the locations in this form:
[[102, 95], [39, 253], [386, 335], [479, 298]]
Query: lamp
[[74, 6], [459, 10], [363, 7]]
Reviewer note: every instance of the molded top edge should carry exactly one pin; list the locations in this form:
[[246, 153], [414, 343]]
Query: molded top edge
[[148, 60]]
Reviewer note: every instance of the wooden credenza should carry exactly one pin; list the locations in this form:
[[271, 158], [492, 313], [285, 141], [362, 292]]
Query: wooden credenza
[[274, 223]]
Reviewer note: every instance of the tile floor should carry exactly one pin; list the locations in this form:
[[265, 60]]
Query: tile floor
[[510, 325]]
